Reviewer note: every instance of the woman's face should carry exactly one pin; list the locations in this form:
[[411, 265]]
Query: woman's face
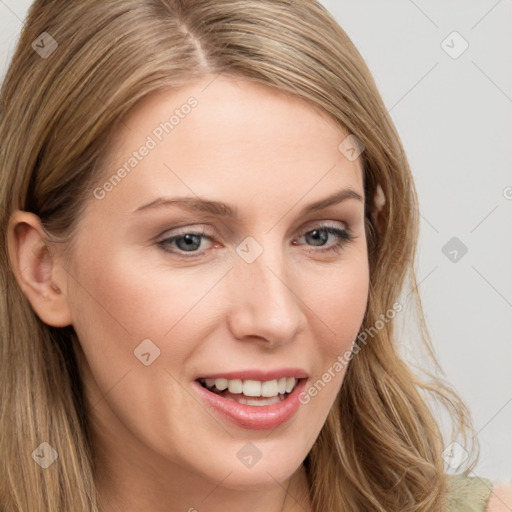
[[166, 286]]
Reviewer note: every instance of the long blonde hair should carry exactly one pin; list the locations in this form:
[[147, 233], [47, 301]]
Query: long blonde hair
[[381, 446]]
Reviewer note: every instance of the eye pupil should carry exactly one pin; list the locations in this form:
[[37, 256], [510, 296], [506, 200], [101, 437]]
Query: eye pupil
[[190, 241], [319, 235]]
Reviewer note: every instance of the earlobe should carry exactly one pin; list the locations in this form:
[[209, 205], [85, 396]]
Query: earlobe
[[35, 268]]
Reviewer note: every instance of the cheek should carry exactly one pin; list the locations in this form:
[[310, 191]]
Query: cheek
[[129, 300], [126, 300], [340, 302], [338, 309]]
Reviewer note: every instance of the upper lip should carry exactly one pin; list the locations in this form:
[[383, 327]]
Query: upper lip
[[257, 374]]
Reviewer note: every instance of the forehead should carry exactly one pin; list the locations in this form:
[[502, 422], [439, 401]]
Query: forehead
[[231, 137], [232, 113]]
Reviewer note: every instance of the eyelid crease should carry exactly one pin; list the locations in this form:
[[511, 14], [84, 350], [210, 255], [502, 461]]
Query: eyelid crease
[[189, 229]]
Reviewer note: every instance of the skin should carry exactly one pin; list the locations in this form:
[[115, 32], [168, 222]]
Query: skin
[[501, 499], [268, 154]]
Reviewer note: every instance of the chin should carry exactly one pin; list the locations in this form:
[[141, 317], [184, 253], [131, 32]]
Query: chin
[[256, 478]]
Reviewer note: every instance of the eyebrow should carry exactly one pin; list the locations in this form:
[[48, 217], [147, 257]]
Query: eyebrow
[[224, 210]]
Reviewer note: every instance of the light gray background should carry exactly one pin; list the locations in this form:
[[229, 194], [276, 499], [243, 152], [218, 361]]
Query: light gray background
[[454, 117]]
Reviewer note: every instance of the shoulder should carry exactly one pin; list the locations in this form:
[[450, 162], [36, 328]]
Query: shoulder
[[468, 493], [500, 499]]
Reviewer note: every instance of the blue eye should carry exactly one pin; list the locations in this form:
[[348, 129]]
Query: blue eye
[[186, 242], [321, 234], [190, 241]]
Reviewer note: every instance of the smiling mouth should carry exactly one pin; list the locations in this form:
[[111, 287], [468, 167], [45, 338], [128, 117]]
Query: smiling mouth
[[251, 392]]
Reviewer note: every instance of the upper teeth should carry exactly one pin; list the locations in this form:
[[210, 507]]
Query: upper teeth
[[268, 388]]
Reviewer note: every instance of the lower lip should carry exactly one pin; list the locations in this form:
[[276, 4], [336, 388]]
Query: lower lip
[[254, 416]]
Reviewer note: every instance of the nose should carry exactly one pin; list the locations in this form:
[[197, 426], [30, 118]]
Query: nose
[[265, 304]]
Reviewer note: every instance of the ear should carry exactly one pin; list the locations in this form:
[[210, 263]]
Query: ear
[[377, 213], [40, 278]]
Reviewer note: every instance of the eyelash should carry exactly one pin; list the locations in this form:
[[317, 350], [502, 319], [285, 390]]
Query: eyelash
[[344, 237]]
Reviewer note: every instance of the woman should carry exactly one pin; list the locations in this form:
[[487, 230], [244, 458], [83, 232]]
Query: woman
[[209, 220]]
